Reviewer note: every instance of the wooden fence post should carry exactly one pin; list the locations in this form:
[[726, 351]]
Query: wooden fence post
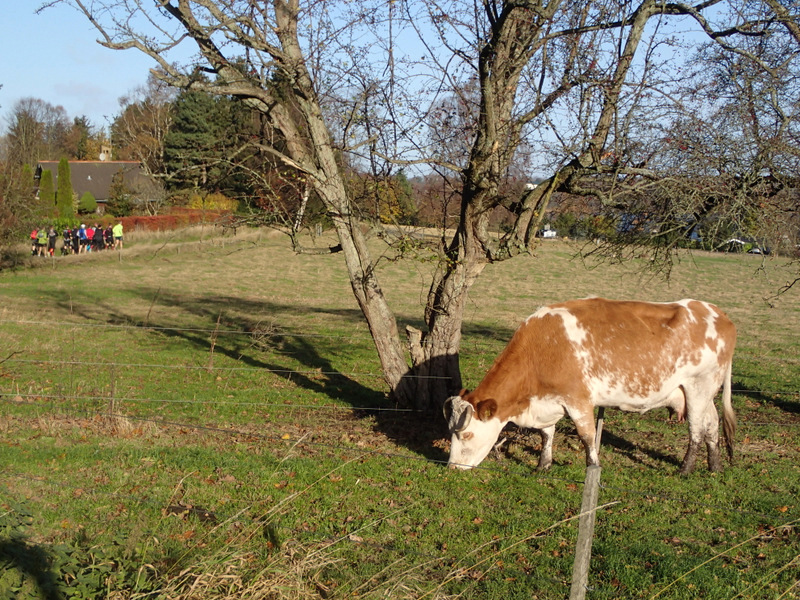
[[583, 547]]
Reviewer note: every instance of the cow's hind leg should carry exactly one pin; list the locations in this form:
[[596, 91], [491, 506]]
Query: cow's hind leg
[[695, 416], [546, 457], [703, 427], [712, 437], [690, 457]]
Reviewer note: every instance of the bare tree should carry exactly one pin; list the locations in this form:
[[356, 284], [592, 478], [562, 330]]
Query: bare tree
[[570, 79], [277, 80], [37, 130], [138, 131], [727, 163], [532, 60]]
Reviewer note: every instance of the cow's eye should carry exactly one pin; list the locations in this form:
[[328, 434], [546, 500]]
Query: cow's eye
[[467, 435]]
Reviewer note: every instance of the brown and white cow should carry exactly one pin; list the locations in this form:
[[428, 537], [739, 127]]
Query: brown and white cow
[[568, 358]]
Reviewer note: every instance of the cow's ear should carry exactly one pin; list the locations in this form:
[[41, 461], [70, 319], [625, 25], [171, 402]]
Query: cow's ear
[[463, 392], [486, 409]]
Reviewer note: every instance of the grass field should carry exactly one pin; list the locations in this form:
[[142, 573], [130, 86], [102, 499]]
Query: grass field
[[204, 418]]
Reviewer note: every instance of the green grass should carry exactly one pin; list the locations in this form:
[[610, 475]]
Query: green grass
[[210, 413]]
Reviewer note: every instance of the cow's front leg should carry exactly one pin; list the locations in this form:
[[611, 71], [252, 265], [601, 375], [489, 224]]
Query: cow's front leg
[[546, 457]]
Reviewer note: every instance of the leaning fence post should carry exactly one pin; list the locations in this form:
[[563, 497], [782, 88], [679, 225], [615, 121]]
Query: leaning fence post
[[583, 547]]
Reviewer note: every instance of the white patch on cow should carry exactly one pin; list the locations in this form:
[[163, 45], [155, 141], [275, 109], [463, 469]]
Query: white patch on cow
[[709, 361], [544, 310], [575, 333], [685, 304], [612, 389], [604, 392], [541, 413], [711, 324]]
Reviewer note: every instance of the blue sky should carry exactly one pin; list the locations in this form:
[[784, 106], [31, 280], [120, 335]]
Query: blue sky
[[54, 56]]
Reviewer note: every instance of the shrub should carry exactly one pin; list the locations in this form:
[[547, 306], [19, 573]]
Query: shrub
[[174, 220], [214, 201], [87, 203]]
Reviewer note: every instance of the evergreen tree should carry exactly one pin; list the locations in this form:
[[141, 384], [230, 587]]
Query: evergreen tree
[[47, 194], [209, 141], [193, 144], [119, 202], [19, 208], [83, 146], [405, 199], [64, 195]]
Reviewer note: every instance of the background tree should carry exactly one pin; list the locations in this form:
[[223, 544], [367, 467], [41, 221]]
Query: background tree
[[569, 84], [25, 135], [195, 142], [728, 168], [138, 132], [120, 201], [18, 206], [752, 94], [82, 142], [213, 144], [26, 181], [65, 193], [37, 131]]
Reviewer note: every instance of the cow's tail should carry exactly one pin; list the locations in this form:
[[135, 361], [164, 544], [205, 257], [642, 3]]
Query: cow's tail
[[728, 416]]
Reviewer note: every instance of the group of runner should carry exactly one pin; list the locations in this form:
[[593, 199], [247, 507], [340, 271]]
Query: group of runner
[[77, 240]]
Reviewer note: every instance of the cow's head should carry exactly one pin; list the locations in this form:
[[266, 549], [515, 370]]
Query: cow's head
[[473, 429]]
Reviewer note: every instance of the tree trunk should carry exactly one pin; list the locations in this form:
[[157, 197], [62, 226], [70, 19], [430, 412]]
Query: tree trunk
[[435, 352]]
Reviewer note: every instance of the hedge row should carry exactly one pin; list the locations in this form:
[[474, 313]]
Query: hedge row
[[177, 219]]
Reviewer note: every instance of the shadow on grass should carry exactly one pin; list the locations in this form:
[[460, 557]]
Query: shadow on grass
[[763, 397], [32, 562], [265, 334], [636, 452]]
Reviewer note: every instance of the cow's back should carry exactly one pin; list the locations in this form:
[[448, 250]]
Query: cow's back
[[609, 352], [643, 351]]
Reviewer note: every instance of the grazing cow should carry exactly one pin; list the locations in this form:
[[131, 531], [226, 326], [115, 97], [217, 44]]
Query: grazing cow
[[567, 358]]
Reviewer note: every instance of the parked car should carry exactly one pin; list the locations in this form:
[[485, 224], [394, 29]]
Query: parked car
[[745, 245]]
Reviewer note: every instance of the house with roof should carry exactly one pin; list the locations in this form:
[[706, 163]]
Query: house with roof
[[97, 177]]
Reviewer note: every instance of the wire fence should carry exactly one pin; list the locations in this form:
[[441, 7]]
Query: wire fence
[[75, 396], [521, 470], [624, 498]]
